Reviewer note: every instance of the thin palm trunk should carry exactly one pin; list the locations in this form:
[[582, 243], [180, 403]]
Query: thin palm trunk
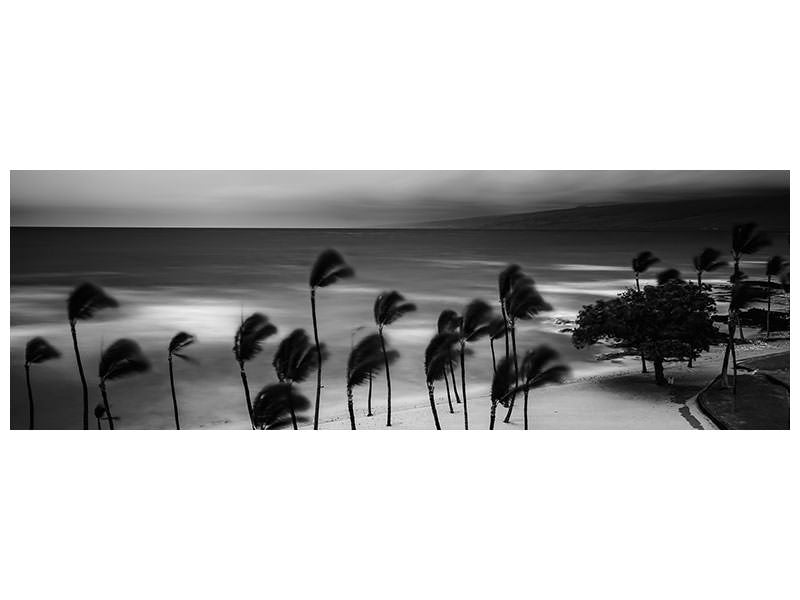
[[492, 414], [453, 377], [83, 377], [388, 381], [494, 361], [174, 399], [98, 423], [107, 405], [525, 411], [369, 396], [699, 279], [516, 372], [735, 373], [291, 412], [246, 394], [30, 395], [505, 323], [319, 358], [769, 300], [350, 408], [433, 407], [464, 389], [447, 387], [641, 354]]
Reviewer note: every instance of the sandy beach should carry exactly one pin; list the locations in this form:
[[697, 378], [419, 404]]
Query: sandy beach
[[624, 399]]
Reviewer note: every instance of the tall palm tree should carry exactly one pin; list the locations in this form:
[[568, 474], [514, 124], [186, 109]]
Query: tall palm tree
[[474, 325], [449, 321], [540, 366], [389, 307], [121, 359], [294, 360], [498, 328], [438, 355], [276, 405], [368, 356], [99, 414], [775, 268], [524, 303], [503, 387], [706, 262], [82, 304], [743, 294], [37, 351], [641, 263], [176, 346], [329, 268], [247, 344], [745, 240], [505, 282]]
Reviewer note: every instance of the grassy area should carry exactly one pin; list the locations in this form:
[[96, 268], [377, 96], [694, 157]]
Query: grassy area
[[762, 400]]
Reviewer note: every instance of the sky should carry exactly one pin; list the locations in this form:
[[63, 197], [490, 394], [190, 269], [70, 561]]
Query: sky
[[338, 198]]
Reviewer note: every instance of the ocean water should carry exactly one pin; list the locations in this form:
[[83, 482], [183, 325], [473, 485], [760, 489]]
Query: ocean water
[[203, 281]]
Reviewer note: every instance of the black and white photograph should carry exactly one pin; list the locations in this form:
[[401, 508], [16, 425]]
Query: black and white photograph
[[421, 299], [400, 299]]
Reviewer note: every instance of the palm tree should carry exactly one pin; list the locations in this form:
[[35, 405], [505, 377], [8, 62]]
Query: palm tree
[[368, 356], [389, 307], [176, 347], [449, 321], [37, 351], [540, 367], [640, 263], [745, 240], [505, 282], [247, 344], [775, 268], [503, 387], [329, 268], [438, 355], [276, 404], [99, 413], [474, 325], [498, 328], [122, 358], [524, 303], [707, 261], [742, 294], [82, 304], [294, 360]]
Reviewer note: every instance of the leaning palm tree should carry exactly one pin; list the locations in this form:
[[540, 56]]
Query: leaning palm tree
[[707, 261], [540, 366], [775, 268], [389, 307], [82, 304], [329, 268], [474, 325], [276, 405], [176, 347], [745, 240], [524, 303], [294, 360], [121, 359], [505, 282], [438, 355], [368, 356], [503, 387], [641, 263], [742, 295], [449, 322], [497, 328], [247, 344], [99, 414], [37, 350]]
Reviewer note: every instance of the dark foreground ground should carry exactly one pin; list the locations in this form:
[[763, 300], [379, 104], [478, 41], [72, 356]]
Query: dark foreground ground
[[762, 400]]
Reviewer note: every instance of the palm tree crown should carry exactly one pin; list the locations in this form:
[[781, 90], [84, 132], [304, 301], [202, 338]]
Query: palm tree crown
[[707, 261], [275, 404], [525, 302], [122, 358], [85, 300], [180, 342], [438, 355], [329, 268], [776, 265], [365, 358], [39, 350], [475, 322], [295, 357], [746, 240], [390, 306], [449, 321], [643, 261], [251, 333], [540, 366]]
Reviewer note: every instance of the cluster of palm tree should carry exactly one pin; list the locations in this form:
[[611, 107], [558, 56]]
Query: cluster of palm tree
[[278, 404], [746, 240]]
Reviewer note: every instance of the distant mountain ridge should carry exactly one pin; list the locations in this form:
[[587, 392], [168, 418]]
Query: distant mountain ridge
[[701, 212]]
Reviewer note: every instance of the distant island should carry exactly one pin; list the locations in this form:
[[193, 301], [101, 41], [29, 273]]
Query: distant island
[[699, 212]]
